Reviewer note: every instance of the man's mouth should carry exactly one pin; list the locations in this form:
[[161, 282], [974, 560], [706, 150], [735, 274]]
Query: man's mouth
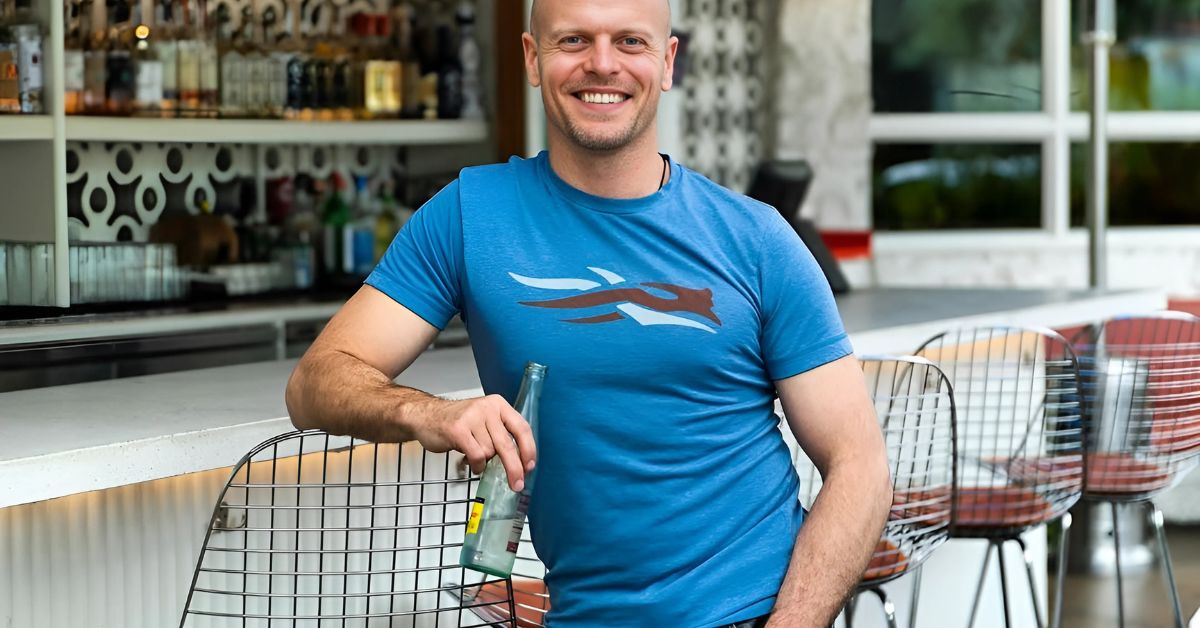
[[601, 98]]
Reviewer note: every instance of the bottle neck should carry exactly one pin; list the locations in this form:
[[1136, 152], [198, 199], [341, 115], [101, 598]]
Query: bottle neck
[[530, 392]]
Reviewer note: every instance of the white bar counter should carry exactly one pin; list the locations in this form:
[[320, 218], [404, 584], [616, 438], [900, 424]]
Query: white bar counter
[[64, 440]]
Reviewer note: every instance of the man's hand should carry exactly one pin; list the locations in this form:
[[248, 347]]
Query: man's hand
[[479, 428]]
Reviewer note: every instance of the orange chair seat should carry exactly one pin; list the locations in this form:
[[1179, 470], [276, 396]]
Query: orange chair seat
[[1000, 507], [888, 560], [1108, 473], [530, 595]]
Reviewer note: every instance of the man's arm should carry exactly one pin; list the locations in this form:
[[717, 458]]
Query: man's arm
[[343, 385], [834, 421]]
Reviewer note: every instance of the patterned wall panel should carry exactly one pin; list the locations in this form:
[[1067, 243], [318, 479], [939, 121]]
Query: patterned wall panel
[[725, 109], [118, 191]]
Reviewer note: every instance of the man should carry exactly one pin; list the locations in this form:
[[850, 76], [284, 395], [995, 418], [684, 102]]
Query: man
[[669, 312]]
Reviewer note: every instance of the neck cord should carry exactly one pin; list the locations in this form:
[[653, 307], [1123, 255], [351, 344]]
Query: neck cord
[[663, 179]]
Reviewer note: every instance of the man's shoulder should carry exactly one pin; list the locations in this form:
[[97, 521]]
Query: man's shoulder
[[726, 199], [492, 173]]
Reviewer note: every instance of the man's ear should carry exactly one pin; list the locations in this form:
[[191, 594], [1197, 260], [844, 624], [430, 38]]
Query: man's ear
[[532, 73], [669, 73]]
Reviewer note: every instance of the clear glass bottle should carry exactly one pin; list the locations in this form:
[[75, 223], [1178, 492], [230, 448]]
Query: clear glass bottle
[[73, 68], [149, 71], [95, 57], [497, 515], [121, 81], [167, 48]]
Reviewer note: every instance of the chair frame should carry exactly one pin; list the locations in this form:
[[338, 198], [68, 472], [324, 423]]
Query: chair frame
[[998, 536], [300, 445], [1172, 463]]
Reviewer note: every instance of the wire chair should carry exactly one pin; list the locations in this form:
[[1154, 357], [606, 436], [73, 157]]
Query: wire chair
[[915, 408], [1020, 441], [319, 530], [1142, 385]]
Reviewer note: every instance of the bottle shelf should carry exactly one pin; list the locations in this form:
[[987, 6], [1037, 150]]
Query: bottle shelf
[[17, 128], [408, 132]]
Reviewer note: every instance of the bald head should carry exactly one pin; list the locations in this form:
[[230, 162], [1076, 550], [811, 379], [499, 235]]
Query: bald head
[[657, 10]]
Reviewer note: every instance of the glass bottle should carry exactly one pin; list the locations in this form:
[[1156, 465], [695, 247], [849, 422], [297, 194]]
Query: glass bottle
[[149, 71], [230, 49], [497, 515], [409, 82], [290, 53], [167, 48], [73, 66], [210, 66], [469, 57], [95, 57], [120, 83], [188, 63]]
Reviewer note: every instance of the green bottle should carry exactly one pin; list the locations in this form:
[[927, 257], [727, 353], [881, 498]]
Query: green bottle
[[497, 514]]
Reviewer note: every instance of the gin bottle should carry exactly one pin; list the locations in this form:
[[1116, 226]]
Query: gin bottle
[[497, 514]]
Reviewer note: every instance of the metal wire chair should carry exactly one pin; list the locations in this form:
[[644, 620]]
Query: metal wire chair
[[915, 408], [1020, 440], [313, 528], [1142, 386]]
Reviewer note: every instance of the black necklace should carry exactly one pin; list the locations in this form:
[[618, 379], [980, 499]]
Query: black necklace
[[663, 179]]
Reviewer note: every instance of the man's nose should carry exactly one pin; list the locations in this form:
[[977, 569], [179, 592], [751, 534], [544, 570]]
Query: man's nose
[[603, 58]]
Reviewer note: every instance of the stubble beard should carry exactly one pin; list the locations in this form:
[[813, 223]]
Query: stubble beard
[[605, 142]]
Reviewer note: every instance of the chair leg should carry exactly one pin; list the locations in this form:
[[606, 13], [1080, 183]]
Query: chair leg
[[1003, 583], [1037, 612], [1117, 562], [987, 557], [1060, 577], [889, 609], [1156, 518], [916, 593], [848, 612]]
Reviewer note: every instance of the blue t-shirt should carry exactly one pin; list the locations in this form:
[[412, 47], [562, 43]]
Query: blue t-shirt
[[665, 495]]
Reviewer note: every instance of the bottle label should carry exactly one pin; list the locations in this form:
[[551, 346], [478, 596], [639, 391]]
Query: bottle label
[[73, 70], [514, 535], [476, 516]]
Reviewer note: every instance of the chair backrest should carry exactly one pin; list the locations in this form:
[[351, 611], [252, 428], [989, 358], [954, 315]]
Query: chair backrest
[[1142, 385], [316, 526], [1020, 441], [915, 407]]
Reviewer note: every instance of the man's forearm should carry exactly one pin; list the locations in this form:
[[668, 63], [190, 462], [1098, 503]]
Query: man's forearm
[[340, 394], [834, 546]]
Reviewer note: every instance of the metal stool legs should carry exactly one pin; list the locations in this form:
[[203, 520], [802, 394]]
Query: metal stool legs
[[916, 592], [1156, 518], [889, 609], [999, 547], [1117, 562], [1060, 577]]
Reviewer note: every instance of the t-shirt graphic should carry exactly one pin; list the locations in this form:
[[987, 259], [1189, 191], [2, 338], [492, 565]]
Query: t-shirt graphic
[[637, 303]]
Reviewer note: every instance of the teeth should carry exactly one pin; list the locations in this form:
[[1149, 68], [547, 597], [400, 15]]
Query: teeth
[[602, 99]]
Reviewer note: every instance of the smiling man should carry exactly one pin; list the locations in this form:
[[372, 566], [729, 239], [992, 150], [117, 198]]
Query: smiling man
[[670, 311]]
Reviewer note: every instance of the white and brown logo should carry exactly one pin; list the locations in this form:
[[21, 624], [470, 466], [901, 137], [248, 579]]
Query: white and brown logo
[[637, 303]]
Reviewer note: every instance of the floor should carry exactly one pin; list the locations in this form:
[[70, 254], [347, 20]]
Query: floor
[[1090, 601]]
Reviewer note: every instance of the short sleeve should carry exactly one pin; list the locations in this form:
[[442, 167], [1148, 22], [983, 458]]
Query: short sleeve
[[423, 267], [801, 325]]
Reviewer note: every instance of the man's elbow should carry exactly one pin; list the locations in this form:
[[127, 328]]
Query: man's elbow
[[882, 481], [293, 398]]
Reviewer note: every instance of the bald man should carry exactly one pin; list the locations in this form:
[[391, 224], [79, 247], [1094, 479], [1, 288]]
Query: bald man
[[670, 312]]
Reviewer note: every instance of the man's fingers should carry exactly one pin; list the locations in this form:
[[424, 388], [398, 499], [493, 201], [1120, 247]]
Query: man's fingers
[[475, 454], [520, 430], [507, 451]]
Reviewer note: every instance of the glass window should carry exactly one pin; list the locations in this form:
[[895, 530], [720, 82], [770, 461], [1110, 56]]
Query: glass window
[[1148, 184], [957, 186], [1155, 64], [956, 55]]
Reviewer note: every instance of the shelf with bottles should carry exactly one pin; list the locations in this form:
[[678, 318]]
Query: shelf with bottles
[[407, 132], [21, 63], [303, 61]]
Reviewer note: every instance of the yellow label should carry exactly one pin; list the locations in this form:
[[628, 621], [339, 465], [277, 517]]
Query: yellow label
[[476, 515]]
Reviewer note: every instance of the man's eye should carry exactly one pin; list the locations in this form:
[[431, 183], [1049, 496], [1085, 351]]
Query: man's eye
[[572, 40], [632, 41]]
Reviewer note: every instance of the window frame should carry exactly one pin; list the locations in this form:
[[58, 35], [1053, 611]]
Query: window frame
[[1055, 127]]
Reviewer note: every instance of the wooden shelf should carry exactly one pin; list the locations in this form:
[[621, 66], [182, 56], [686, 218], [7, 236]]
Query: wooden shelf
[[15, 128], [409, 132]]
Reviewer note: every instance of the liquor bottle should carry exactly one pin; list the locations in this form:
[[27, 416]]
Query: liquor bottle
[[497, 515], [149, 71], [291, 53], [210, 66], [120, 81], [449, 77], [188, 59], [410, 69], [95, 57], [167, 48], [25, 37], [269, 85], [231, 62], [469, 57], [335, 219], [73, 67]]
